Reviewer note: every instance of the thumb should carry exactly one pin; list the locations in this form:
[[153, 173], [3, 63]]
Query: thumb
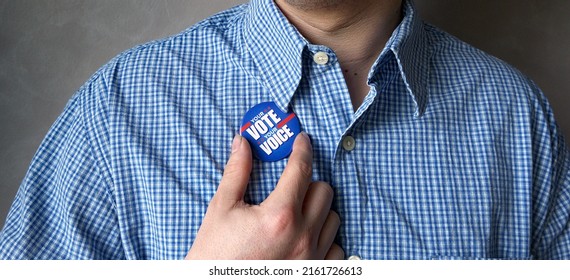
[[236, 173]]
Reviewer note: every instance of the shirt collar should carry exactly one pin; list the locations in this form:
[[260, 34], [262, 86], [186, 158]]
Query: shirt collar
[[409, 44], [276, 48]]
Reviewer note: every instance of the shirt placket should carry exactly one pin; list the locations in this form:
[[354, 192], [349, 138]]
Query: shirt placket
[[335, 133]]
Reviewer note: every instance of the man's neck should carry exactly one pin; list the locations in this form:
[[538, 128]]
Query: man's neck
[[356, 30]]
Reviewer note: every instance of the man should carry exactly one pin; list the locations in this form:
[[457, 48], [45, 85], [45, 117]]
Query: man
[[432, 149]]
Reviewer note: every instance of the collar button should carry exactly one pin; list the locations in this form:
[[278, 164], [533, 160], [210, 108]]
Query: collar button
[[321, 58]]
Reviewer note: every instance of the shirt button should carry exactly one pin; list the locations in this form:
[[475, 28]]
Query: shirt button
[[321, 58], [348, 143], [354, 258]]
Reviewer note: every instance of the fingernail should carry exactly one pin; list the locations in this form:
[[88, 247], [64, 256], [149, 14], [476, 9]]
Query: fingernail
[[304, 134], [236, 143]]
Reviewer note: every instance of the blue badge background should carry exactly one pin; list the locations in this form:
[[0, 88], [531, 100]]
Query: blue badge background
[[285, 149]]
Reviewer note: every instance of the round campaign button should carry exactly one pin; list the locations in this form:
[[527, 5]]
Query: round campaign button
[[270, 131]]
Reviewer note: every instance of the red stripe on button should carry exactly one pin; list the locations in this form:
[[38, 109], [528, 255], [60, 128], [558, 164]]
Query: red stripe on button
[[245, 126], [286, 120]]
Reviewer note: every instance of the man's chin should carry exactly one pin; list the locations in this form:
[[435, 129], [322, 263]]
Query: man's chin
[[314, 4]]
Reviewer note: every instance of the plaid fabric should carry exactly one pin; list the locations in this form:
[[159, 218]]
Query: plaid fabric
[[457, 155]]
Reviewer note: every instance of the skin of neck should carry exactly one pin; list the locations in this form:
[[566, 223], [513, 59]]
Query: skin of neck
[[356, 30]]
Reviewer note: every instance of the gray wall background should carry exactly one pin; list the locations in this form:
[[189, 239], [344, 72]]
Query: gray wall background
[[48, 48]]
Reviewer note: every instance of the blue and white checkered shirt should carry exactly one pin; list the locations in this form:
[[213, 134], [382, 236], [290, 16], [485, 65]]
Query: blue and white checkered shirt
[[456, 154]]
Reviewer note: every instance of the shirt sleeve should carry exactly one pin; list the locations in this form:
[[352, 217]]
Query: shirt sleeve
[[64, 208], [551, 176]]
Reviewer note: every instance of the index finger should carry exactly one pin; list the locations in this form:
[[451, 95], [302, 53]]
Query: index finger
[[296, 176]]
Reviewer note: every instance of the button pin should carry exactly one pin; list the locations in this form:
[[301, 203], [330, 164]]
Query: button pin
[[270, 131]]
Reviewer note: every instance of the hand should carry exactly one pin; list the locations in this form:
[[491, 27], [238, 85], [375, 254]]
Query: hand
[[294, 222]]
